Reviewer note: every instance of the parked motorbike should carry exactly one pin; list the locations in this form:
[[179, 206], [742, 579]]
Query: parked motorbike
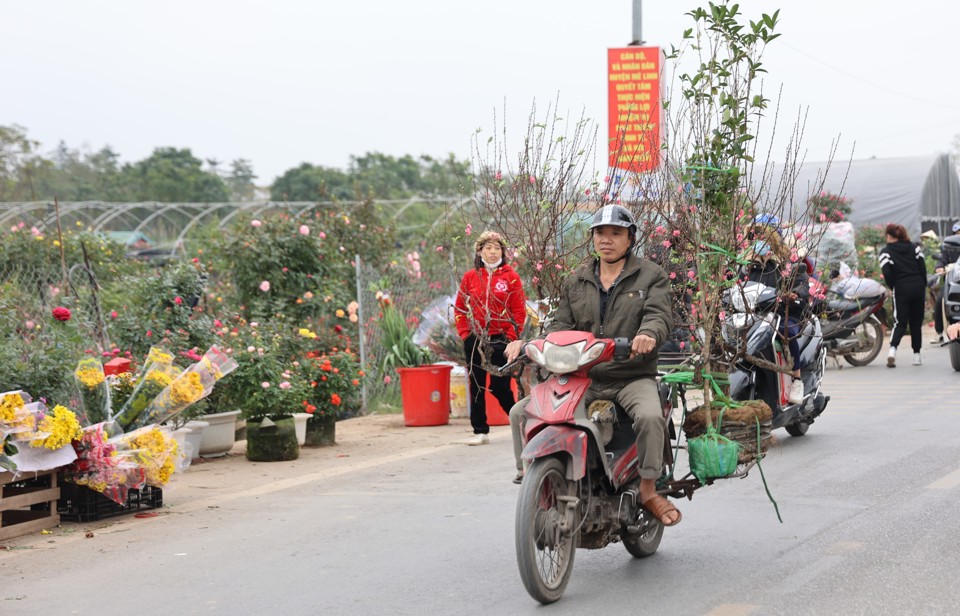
[[951, 292], [581, 486], [752, 327], [852, 317]]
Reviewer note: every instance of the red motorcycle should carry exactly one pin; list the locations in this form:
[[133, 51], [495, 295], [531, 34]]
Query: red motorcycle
[[581, 485]]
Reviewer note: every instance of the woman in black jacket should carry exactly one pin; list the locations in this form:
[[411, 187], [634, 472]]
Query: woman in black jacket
[[905, 272]]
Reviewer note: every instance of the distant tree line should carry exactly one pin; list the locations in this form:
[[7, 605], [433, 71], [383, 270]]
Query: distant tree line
[[177, 175]]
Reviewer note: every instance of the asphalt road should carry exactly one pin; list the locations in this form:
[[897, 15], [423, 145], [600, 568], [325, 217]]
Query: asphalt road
[[868, 497]]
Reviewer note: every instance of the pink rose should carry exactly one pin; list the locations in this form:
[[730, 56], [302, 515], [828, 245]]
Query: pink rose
[[265, 286], [255, 223], [304, 230]]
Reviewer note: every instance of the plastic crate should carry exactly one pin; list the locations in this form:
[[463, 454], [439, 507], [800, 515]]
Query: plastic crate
[[27, 503], [81, 504]]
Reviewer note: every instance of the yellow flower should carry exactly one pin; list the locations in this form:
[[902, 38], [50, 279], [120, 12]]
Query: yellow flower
[[90, 377], [340, 313], [187, 389], [158, 356], [306, 333], [56, 243], [61, 427], [156, 453], [159, 377], [10, 404]]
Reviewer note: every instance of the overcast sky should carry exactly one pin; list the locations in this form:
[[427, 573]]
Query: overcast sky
[[284, 81]]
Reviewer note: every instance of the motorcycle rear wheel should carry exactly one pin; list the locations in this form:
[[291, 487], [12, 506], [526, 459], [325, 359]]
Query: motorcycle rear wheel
[[870, 334], [544, 555]]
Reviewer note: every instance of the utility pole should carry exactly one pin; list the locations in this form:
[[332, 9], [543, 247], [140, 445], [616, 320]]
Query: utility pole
[[637, 23]]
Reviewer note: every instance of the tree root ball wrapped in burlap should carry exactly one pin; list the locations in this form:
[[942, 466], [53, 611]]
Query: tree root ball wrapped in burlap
[[739, 424]]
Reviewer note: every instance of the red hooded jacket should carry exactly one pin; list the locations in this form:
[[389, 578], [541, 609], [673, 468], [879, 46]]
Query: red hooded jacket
[[491, 302]]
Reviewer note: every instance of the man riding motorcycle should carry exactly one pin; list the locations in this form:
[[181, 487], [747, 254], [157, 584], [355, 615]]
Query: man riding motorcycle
[[618, 294]]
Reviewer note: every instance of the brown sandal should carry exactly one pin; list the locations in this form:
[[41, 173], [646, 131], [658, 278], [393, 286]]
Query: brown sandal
[[660, 507]]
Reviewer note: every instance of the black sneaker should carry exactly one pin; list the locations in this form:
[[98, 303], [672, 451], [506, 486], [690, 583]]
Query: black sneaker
[[519, 478]]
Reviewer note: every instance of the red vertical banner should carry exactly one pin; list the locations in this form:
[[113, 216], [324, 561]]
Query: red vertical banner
[[633, 78]]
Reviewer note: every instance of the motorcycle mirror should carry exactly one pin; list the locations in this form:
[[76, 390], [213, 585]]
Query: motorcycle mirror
[[621, 348]]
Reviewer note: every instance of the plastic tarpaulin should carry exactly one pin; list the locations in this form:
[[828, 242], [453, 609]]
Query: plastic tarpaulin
[[918, 192]]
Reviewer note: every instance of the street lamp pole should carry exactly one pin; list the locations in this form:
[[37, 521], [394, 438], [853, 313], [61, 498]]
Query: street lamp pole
[[637, 23]]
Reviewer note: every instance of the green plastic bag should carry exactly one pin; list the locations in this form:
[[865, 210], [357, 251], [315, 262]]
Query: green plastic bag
[[712, 455]]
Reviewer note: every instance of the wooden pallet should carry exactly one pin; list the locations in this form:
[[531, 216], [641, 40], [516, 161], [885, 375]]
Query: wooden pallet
[[28, 503]]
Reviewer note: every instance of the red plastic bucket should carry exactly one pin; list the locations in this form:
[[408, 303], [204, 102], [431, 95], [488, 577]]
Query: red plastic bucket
[[425, 391], [497, 416]]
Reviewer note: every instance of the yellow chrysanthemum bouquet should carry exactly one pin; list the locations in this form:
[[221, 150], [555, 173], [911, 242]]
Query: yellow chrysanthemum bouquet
[[94, 390], [34, 437]]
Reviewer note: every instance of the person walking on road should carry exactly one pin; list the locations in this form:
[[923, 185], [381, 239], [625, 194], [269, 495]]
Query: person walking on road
[[905, 272], [489, 313]]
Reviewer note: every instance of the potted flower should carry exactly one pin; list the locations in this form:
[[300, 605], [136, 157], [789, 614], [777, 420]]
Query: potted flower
[[268, 389], [335, 385], [424, 388]]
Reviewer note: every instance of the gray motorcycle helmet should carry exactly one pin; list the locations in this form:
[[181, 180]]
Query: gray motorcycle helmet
[[614, 215]]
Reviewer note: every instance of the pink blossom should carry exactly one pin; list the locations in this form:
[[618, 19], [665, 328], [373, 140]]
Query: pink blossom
[[722, 315], [254, 324], [536, 280], [691, 274], [469, 229], [439, 248], [34, 231], [606, 178], [533, 179], [673, 275], [178, 300], [29, 324], [497, 176], [285, 385], [676, 233], [539, 265], [265, 286], [659, 230], [558, 266], [323, 235], [587, 192], [217, 323], [666, 243], [387, 379], [251, 349], [265, 385], [304, 230], [255, 223]]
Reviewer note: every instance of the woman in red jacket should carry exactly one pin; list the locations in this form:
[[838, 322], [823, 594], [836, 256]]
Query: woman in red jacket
[[490, 312]]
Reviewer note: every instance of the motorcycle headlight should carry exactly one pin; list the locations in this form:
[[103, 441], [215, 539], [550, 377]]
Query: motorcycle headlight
[[563, 359], [953, 276], [734, 325]]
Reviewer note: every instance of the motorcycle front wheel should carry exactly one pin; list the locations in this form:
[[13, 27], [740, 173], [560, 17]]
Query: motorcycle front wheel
[[869, 338], [641, 545], [544, 550]]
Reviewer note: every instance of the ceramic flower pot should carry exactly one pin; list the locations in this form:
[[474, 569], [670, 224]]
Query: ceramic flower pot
[[218, 437], [300, 423], [272, 440], [321, 430]]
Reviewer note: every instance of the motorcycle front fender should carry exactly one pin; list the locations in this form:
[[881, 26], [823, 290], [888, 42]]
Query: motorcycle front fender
[[560, 439], [741, 385]]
